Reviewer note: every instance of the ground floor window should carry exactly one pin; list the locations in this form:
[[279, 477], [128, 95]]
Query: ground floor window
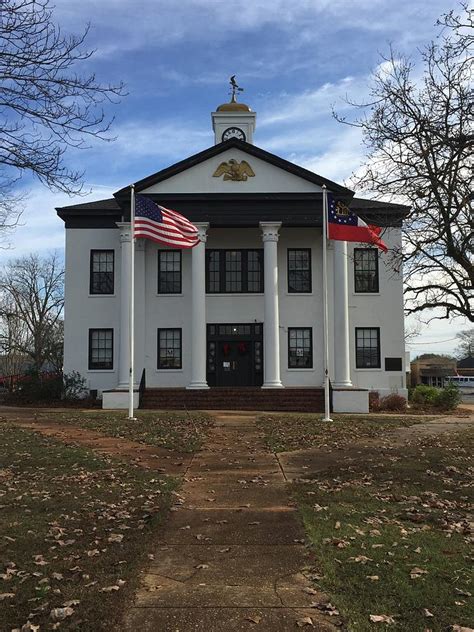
[[368, 347], [101, 349], [169, 349], [300, 348]]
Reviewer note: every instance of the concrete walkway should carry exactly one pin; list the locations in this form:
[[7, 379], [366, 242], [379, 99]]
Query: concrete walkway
[[232, 555]]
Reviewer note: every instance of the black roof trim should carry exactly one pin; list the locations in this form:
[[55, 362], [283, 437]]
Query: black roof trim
[[232, 210], [234, 143]]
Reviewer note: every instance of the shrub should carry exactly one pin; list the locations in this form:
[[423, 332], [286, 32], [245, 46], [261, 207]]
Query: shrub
[[38, 387], [374, 401], [424, 396], [74, 386], [429, 397], [393, 402], [448, 398]]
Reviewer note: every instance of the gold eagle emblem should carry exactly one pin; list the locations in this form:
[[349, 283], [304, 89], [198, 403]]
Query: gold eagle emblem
[[234, 170]]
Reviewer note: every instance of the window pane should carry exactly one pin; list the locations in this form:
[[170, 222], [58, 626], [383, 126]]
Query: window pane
[[254, 271], [366, 270], [300, 351], [169, 272], [233, 271], [169, 348], [101, 349], [102, 272], [367, 347], [299, 270]]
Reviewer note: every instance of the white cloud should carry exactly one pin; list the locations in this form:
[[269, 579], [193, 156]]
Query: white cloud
[[125, 25], [40, 229]]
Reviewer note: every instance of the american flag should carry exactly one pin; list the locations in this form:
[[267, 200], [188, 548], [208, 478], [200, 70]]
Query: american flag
[[163, 225]]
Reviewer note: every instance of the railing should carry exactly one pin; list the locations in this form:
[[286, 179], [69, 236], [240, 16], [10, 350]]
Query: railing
[[141, 388]]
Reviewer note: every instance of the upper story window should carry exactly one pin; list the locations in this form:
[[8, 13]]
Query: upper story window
[[234, 271], [299, 270], [366, 270], [300, 348], [368, 347], [102, 272], [101, 349], [169, 271]]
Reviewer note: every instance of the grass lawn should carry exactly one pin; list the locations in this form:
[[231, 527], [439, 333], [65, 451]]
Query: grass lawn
[[74, 530], [295, 431], [173, 430], [392, 535]]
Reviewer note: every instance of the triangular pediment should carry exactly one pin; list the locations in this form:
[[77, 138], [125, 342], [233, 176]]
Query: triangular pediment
[[234, 167]]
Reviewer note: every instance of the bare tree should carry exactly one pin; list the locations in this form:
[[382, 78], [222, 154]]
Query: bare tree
[[45, 105], [465, 348], [420, 140], [31, 306]]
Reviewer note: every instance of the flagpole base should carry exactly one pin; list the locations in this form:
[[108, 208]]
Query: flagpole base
[[198, 386], [327, 419]]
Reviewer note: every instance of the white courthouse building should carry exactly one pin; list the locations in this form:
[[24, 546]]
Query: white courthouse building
[[238, 320]]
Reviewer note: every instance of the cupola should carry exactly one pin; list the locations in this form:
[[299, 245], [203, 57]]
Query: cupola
[[233, 119]]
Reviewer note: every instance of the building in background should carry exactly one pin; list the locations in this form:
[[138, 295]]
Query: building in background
[[432, 370]]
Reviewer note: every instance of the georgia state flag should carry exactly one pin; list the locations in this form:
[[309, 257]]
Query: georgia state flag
[[345, 225]]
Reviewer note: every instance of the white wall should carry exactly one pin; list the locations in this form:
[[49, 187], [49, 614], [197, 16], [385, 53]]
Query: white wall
[[83, 311], [384, 309]]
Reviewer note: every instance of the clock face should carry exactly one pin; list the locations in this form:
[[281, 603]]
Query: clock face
[[233, 132]]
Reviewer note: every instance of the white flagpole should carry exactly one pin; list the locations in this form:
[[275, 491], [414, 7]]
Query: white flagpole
[[325, 304], [132, 304]]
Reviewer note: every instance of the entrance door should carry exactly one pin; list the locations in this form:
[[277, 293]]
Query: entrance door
[[235, 355], [234, 363]]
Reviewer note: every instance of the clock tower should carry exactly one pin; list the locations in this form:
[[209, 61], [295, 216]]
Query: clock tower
[[233, 120]]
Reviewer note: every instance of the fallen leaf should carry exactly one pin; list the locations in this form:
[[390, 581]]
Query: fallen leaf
[[109, 589], [416, 572], [59, 614], [6, 596], [115, 537], [304, 621], [255, 619], [310, 591], [202, 566], [460, 628], [373, 578], [381, 618], [427, 613]]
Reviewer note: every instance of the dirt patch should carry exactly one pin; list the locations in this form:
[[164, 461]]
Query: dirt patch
[[149, 457]]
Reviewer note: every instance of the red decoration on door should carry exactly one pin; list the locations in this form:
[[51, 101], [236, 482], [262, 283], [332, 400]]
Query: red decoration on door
[[226, 349], [242, 347]]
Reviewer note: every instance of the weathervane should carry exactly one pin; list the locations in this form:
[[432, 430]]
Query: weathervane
[[235, 89]]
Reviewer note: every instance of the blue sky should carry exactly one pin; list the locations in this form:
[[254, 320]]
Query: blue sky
[[295, 61]]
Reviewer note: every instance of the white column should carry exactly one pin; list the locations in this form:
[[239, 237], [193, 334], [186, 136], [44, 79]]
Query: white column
[[271, 325], [198, 311], [140, 251], [342, 371], [124, 335]]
